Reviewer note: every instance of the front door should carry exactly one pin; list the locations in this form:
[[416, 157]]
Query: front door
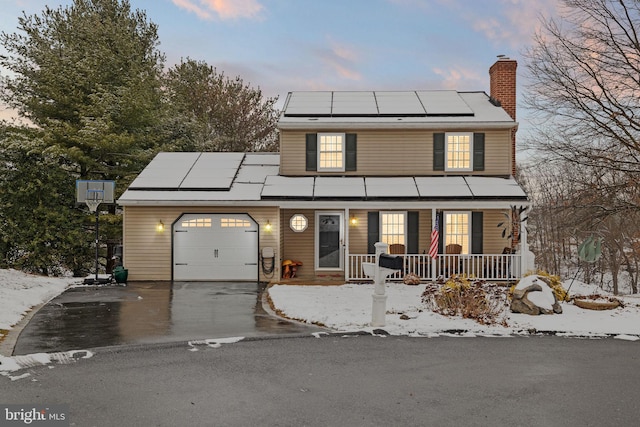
[[329, 238]]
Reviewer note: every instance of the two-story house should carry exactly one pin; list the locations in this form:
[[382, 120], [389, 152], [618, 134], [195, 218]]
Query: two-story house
[[354, 168]]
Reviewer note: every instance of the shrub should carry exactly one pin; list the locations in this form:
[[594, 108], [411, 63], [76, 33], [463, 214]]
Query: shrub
[[459, 296]]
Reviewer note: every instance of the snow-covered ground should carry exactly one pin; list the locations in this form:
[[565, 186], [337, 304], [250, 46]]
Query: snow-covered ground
[[348, 308], [19, 292]]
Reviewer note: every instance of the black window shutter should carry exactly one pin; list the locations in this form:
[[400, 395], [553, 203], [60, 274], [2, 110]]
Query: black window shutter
[[476, 233], [312, 152], [412, 231], [351, 149], [440, 215], [478, 151], [438, 151], [373, 231]]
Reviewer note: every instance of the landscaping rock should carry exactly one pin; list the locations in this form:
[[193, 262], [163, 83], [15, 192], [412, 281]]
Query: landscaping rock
[[533, 296]]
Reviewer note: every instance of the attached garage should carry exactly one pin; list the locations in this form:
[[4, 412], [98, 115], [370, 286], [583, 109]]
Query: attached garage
[[215, 247]]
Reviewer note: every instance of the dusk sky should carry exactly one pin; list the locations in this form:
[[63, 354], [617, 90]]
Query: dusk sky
[[288, 45]]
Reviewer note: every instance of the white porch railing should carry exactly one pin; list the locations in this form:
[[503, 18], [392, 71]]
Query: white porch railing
[[499, 268]]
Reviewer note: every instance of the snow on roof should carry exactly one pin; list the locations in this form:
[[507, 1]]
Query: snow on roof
[[332, 187], [226, 177], [391, 187], [378, 109]]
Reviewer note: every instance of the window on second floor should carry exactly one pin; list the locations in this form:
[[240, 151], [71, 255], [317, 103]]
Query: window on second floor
[[458, 151], [331, 152]]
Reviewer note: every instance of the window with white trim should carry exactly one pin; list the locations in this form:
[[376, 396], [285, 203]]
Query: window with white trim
[[457, 230], [331, 150], [298, 223], [393, 227], [459, 151]]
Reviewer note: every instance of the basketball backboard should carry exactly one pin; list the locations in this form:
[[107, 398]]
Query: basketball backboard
[[95, 191]]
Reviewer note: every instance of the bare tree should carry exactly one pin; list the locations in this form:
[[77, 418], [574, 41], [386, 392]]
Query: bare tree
[[584, 73], [584, 89]]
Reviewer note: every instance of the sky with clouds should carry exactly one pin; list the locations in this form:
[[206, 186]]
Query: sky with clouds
[[288, 45]]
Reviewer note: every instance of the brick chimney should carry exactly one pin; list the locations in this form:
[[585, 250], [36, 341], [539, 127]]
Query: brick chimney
[[502, 82]]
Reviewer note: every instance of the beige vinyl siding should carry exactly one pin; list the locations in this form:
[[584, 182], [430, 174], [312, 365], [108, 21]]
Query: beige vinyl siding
[[358, 237], [493, 241], [424, 227], [299, 246], [395, 153], [147, 252]]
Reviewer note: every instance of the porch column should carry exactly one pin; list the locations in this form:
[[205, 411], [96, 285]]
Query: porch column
[[347, 261], [434, 217], [526, 257]]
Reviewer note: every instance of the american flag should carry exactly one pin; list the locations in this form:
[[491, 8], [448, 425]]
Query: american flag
[[435, 235]]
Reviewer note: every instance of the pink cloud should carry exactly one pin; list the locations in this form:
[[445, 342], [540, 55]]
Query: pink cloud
[[510, 21], [342, 59], [459, 78], [224, 9]]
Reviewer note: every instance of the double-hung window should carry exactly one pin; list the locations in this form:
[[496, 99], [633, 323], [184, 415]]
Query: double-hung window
[[459, 150], [457, 230], [331, 152], [393, 227]]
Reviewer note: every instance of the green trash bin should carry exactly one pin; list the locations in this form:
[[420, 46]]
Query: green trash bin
[[120, 274]]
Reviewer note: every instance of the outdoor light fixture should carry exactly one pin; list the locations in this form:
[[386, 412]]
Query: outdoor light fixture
[[160, 227], [268, 227], [353, 221]]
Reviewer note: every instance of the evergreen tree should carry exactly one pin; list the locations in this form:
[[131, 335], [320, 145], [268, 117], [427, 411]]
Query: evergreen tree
[[41, 231], [88, 76]]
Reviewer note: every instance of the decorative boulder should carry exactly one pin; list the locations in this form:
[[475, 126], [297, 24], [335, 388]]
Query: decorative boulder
[[411, 279], [533, 296]]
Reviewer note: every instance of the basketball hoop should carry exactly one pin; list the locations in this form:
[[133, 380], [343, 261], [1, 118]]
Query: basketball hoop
[[94, 198], [93, 193]]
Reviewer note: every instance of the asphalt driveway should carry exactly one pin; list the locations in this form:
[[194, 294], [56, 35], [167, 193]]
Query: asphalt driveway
[[151, 312]]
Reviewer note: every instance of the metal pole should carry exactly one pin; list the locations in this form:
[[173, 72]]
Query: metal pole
[[97, 237]]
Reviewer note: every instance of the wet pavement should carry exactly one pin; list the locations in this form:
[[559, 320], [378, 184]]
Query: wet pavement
[[151, 312]]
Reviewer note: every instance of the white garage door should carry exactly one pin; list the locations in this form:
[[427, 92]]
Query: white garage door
[[215, 247]]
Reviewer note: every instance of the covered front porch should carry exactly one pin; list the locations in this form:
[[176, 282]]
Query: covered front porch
[[490, 267]]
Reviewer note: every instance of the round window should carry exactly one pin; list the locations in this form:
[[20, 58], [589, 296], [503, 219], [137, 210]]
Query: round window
[[298, 223]]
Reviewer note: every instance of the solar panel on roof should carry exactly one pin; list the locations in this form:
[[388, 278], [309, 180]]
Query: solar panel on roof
[[339, 187], [399, 104], [166, 170], [494, 187], [391, 187], [262, 159], [354, 104], [284, 186], [213, 170], [440, 187], [444, 103], [309, 104]]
